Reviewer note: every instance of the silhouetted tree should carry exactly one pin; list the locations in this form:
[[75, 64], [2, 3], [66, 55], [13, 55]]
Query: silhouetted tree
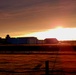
[[7, 39], [7, 36]]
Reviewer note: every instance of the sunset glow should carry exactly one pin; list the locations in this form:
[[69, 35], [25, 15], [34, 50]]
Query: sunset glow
[[59, 33]]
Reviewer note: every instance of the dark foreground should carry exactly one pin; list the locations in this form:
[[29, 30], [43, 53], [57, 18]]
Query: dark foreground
[[38, 60]]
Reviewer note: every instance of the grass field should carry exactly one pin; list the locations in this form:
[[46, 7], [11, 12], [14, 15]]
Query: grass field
[[34, 62]]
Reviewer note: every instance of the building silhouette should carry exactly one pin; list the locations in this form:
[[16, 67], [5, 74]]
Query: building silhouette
[[51, 41], [27, 40]]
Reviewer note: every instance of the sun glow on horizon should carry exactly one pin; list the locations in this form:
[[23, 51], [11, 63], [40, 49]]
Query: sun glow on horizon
[[60, 33]]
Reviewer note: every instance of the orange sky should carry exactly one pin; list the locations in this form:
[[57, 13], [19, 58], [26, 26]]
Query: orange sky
[[60, 33], [21, 17]]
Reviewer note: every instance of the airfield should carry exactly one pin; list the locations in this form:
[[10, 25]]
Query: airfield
[[32, 59]]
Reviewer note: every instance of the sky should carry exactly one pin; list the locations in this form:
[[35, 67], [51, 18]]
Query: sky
[[22, 17]]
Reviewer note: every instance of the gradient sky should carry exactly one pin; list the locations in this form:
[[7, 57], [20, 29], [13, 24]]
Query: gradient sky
[[19, 17]]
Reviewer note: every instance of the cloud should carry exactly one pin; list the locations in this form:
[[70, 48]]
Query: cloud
[[12, 8]]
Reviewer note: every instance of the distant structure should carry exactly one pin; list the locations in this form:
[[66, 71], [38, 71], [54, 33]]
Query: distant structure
[[27, 40], [51, 41], [22, 40], [40, 42]]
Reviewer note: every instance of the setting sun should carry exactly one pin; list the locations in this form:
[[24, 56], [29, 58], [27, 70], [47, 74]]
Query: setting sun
[[59, 27], [60, 33]]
